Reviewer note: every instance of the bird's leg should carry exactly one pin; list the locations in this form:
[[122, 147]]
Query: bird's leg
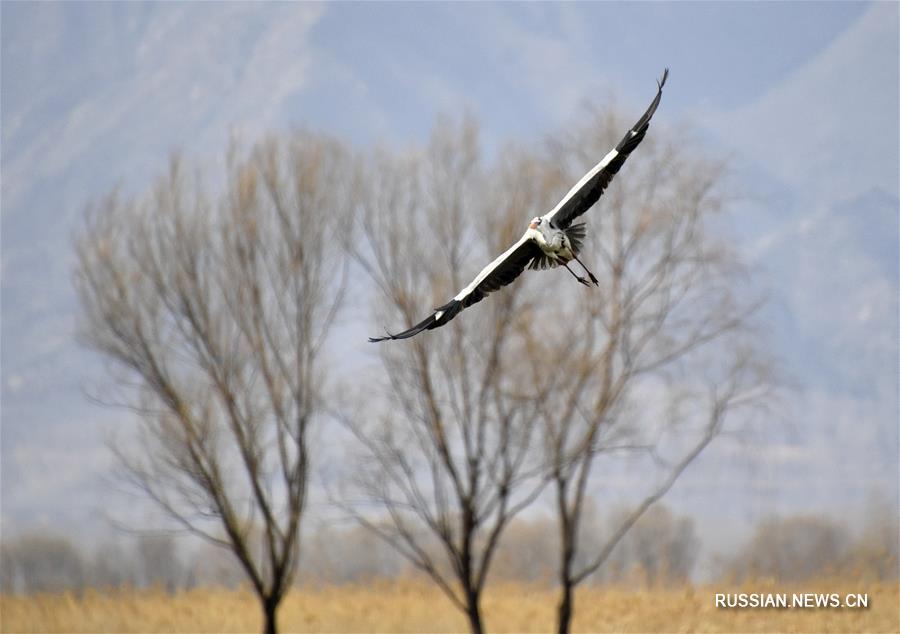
[[577, 277], [591, 275]]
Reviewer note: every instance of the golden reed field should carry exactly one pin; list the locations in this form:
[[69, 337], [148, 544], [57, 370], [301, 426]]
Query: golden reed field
[[417, 607]]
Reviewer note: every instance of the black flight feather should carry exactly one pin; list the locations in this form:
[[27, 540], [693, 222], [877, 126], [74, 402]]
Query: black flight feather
[[502, 273], [589, 193]]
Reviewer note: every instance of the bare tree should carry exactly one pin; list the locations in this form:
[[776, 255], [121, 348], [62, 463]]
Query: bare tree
[[527, 553], [795, 548], [211, 565], [214, 312], [448, 466], [661, 547], [159, 562], [658, 356], [876, 552], [42, 562], [9, 573], [112, 565], [348, 555]]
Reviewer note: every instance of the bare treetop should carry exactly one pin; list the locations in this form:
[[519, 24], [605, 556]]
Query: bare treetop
[[215, 312], [450, 461]]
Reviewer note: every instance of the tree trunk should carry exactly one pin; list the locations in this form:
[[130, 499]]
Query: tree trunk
[[567, 537], [473, 612], [270, 607], [564, 613], [566, 584]]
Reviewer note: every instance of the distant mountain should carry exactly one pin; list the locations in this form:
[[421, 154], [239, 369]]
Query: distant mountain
[[830, 128], [836, 271]]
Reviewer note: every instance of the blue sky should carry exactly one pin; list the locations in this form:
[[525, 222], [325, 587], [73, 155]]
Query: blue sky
[[803, 96]]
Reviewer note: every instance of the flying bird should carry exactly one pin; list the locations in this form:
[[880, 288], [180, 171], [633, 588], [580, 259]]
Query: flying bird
[[551, 240]]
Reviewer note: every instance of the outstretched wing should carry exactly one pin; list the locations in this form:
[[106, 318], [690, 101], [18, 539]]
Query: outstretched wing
[[588, 190], [502, 271]]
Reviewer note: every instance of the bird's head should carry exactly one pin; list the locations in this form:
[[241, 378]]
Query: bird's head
[[535, 222]]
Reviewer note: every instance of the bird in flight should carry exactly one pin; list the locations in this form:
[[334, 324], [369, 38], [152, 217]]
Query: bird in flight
[[551, 240]]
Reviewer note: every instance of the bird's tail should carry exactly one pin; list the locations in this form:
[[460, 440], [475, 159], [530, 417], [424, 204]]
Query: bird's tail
[[576, 234]]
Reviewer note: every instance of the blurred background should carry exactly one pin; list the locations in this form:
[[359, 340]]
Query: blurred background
[[801, 98]]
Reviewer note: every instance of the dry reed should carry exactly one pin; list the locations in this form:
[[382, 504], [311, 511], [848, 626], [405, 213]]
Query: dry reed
[[410, 606]]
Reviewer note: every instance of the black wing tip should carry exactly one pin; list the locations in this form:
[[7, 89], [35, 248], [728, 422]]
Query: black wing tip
[[449, 311], [636, 134], [388, 337], [406, 334], [662, 80]]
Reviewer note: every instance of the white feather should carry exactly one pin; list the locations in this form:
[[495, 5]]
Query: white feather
[[584, 180], [490, 267]]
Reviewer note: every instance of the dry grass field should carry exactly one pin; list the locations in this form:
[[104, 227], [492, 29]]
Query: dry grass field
[[418, 607]]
